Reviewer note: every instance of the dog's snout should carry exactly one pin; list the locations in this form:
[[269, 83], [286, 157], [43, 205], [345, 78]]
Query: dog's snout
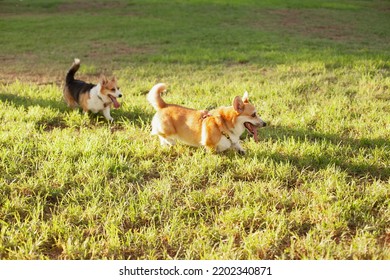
[[120, 95], [262, 123]]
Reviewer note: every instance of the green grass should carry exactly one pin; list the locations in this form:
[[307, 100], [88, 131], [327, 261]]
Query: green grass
[[317, 185]]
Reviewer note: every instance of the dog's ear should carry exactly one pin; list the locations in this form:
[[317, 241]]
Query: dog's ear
[[245, 98], [103, 80], [113, 79], [238, 105]]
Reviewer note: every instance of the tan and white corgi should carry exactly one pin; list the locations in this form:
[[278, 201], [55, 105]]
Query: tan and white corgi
[[218, 130], [90, 97]]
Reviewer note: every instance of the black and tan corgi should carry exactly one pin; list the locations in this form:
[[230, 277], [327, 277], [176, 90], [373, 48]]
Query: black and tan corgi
[[91, 97]]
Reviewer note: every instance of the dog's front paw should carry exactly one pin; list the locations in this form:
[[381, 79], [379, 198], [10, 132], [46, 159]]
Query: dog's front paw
[[239, 149]]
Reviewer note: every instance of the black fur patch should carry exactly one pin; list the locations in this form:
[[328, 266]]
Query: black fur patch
[[77, 87]]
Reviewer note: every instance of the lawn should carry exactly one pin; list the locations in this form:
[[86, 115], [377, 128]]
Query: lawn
[[316, 185]]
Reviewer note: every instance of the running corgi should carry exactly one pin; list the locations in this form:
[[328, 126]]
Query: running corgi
[[218, 130], [90, 97]]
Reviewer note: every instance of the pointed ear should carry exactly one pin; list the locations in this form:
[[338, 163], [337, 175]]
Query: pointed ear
[[238, 105], [113, 79], [103, 80], [245, 98]]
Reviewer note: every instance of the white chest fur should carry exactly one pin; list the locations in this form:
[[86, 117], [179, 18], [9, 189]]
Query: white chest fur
[[232, 138], [96, 102]]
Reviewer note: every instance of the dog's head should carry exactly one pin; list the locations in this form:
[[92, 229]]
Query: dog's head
[[247, 115], [110, 90]]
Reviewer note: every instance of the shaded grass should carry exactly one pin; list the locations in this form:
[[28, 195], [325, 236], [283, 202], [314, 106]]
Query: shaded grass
[[315, 187]]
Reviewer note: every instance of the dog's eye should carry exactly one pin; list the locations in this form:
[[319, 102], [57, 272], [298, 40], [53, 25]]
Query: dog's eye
[[113, 89], [254, 115]]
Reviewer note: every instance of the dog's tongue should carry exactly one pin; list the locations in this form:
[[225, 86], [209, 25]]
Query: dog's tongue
[[253, 130], [255, 134], [116, 104]]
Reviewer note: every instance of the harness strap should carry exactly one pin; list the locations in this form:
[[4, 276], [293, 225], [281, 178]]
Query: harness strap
[[206, 114], [226, 135]]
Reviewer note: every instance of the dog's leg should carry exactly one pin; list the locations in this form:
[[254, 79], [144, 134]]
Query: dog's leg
[[223, 144], [69, 99], [71, 103], [166, 142], [238, 148], [106, 113]]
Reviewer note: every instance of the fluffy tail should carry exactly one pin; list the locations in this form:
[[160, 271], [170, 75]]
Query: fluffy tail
[[72, 71], [154, 96]]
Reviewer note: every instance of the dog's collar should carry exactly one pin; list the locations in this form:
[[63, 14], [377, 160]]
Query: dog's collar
[[105, 104], [226, 135], [223, 132]]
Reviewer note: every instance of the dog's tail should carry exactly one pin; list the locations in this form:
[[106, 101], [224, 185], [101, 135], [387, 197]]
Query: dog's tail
[[72, 70], [154, 96]]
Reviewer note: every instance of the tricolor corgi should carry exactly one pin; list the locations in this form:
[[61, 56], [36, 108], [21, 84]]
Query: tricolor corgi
[[90, 97], [218, 129]]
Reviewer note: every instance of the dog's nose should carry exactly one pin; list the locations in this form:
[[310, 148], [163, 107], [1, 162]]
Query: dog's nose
[[120, 95]]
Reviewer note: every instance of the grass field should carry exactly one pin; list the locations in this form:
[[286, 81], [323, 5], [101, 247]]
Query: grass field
[[316, 186]]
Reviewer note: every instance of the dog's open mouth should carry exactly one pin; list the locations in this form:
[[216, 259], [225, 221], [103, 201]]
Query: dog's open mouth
[[113, 99], [252, 130]]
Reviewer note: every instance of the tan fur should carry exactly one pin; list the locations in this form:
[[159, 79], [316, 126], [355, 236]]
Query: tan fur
[[69, 98], [222, 120], [183, 122], [83, 101], [108, 85], [217, 130]]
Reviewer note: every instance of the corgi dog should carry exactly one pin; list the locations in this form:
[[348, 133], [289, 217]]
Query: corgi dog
[[217, 130], [90, 97]]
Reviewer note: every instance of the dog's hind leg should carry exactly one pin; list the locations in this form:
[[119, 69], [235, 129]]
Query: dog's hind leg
[[166, 142], [69, 99]]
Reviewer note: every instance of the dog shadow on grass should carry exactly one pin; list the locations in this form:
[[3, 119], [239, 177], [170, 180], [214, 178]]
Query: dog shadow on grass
[[136, 116], [25, 101], [326, 159]]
